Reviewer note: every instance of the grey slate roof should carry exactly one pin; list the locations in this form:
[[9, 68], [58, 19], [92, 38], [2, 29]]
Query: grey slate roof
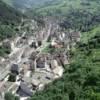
[[24, 90], [14, 67]]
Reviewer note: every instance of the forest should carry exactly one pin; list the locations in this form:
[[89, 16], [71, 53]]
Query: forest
[[9, 19]]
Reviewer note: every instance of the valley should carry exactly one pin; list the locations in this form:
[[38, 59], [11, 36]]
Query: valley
[[49, 50]]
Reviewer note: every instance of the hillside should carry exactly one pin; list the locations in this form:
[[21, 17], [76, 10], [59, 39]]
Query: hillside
[[73, 14], [8, 14], [70, 14], [26, 4], [9, 18]]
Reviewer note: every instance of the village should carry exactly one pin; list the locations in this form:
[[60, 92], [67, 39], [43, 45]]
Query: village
[[36, 59]]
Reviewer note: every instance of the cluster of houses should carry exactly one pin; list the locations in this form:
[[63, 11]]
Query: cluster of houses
[[35, 69], [29, 77]]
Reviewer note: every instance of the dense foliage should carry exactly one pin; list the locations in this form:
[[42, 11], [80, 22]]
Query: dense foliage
[[10, 96], [6, 31], [74, 14], [8, 15], [4, 51], [9, 18]]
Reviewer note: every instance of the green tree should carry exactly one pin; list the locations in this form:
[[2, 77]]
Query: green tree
[[9, 96]]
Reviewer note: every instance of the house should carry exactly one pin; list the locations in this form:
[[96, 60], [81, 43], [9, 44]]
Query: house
[[53, 64], [64, 59], [61, 57], [53, 42], [14, 69], [33, 45], [21, 42], [39, 43], [57, 44], [36, 44], [58, 71], [32, 66], [61, 36], [33, 55], [40, 63], [35, 84], [75, 36], [24, 90], [56, 68]]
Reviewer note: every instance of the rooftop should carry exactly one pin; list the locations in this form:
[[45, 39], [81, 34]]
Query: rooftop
[[24, 90]]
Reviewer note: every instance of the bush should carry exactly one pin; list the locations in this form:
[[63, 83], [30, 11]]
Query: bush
[[10, 96], [12, 77]]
